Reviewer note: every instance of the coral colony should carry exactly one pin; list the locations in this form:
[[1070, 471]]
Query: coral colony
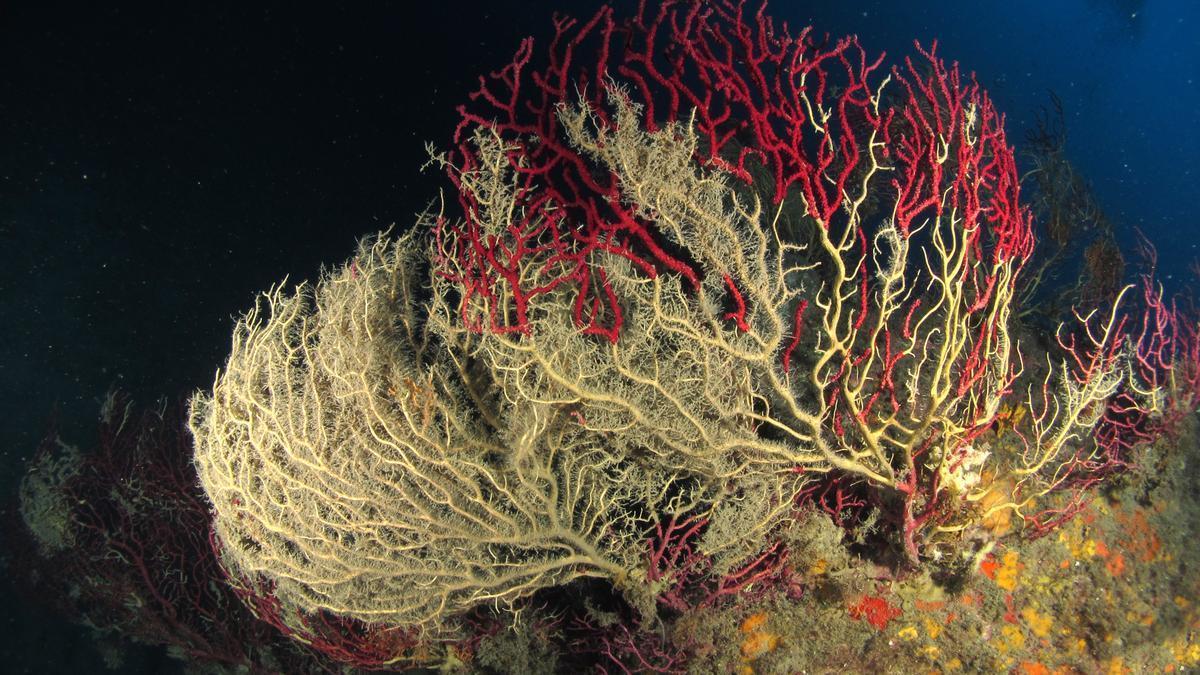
[[701, 274]]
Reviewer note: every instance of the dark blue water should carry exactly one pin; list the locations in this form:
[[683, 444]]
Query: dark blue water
[[159, 166]]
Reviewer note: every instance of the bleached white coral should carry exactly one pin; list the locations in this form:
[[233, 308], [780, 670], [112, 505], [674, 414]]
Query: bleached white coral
[[961, 473]]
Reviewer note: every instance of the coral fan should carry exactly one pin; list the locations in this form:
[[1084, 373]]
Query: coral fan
[[704, 273]]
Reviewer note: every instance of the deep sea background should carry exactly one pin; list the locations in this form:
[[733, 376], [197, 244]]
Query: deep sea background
[[161, 164]]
